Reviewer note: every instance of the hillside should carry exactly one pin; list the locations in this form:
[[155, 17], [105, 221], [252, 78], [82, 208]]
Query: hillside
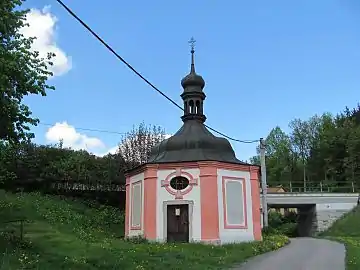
[[347, 230], [66, 234]]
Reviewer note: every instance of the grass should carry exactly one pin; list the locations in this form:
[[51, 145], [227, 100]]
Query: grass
[[347, 231], [68, 234]]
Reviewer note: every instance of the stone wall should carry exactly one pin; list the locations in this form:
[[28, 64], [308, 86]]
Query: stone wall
[[324, 219], [327, 214]]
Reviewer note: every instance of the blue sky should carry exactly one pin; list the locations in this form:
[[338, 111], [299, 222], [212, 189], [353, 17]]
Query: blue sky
[[264, 63]]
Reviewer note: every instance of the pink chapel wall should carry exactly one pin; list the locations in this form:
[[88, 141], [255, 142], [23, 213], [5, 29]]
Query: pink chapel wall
[[236, 194], [146, 181], [134, 223], [208, 221]]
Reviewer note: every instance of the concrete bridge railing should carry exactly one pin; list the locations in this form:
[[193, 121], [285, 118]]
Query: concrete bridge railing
[[299, 199], [321, 186]]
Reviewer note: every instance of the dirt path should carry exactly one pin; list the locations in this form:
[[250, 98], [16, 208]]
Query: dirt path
[[301, 254]]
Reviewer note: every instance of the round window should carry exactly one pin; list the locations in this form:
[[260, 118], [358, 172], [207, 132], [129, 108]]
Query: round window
[[179, 183]]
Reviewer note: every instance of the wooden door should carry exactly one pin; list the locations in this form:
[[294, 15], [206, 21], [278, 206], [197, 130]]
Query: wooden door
[[178, 223]]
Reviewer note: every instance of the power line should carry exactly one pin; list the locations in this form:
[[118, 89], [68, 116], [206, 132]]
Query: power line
[[122, 133], [88, 129], [137, 73], [229, 138]]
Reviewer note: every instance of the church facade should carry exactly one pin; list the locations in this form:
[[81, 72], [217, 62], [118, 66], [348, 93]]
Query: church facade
[[193, 189]]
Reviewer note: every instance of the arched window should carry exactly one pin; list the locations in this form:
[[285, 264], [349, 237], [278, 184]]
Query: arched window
[[191, 106], [186, 107], [197, 107], [179, 183]]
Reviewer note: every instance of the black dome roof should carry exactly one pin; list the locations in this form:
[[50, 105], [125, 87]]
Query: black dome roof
[[193, 142], [193, 79]]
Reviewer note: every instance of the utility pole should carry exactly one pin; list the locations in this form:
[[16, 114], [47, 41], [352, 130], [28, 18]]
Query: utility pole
[[263, 183]]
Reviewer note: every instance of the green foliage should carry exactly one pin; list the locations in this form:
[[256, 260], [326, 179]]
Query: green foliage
[[269, 231], [270, 242], [67, 234], [28, 166], [282, 224], [346, 230], [70, 213], [318, 153], [55, 169], [289, 229], [347, 226], [23, 72], [275, 219], [136, 239]]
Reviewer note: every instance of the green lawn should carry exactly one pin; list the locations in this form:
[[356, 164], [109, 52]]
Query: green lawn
[[347, 231], [68, 234]]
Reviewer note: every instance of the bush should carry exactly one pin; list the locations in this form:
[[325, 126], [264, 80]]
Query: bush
[[275, 219], [282, 224], [288, 229], [269, 231], [270, 243], [290, 217], [139, 239]]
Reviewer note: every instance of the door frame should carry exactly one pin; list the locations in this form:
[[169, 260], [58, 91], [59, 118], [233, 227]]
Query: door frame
[[190, 214]]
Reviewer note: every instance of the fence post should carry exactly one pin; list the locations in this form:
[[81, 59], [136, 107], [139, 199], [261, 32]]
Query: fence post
[[290, 187], [321, 187], [353, 187]]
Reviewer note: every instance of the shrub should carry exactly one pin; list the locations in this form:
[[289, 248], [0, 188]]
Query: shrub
[[282, 224], [270, 243], [288, 229], [275, 219], [139, 239], [270, 231]]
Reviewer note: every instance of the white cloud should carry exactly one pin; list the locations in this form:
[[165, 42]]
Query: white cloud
[[73, 139], [112, 150], [42, 26]]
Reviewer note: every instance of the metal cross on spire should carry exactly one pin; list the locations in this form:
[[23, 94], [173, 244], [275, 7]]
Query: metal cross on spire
[[192, 42]]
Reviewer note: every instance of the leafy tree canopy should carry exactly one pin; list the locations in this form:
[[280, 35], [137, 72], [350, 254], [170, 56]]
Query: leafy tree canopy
[[22, 72], [321, 149]]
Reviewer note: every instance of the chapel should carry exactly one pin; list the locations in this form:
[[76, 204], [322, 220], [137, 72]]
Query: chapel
[[193, 188]]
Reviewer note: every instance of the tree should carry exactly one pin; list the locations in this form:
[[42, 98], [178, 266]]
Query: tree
[[352, 160], [278, 155], [303, 136], [320, 160], [280, 150], [255, 160], [320, 149], [22, 72], [7, 161], [135, 146]]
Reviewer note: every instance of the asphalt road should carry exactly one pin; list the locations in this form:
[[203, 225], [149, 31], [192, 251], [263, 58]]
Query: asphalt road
[[301, 254]]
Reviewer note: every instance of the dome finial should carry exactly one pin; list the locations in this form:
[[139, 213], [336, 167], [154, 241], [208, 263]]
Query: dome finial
[[192, 82], [192, 42]]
